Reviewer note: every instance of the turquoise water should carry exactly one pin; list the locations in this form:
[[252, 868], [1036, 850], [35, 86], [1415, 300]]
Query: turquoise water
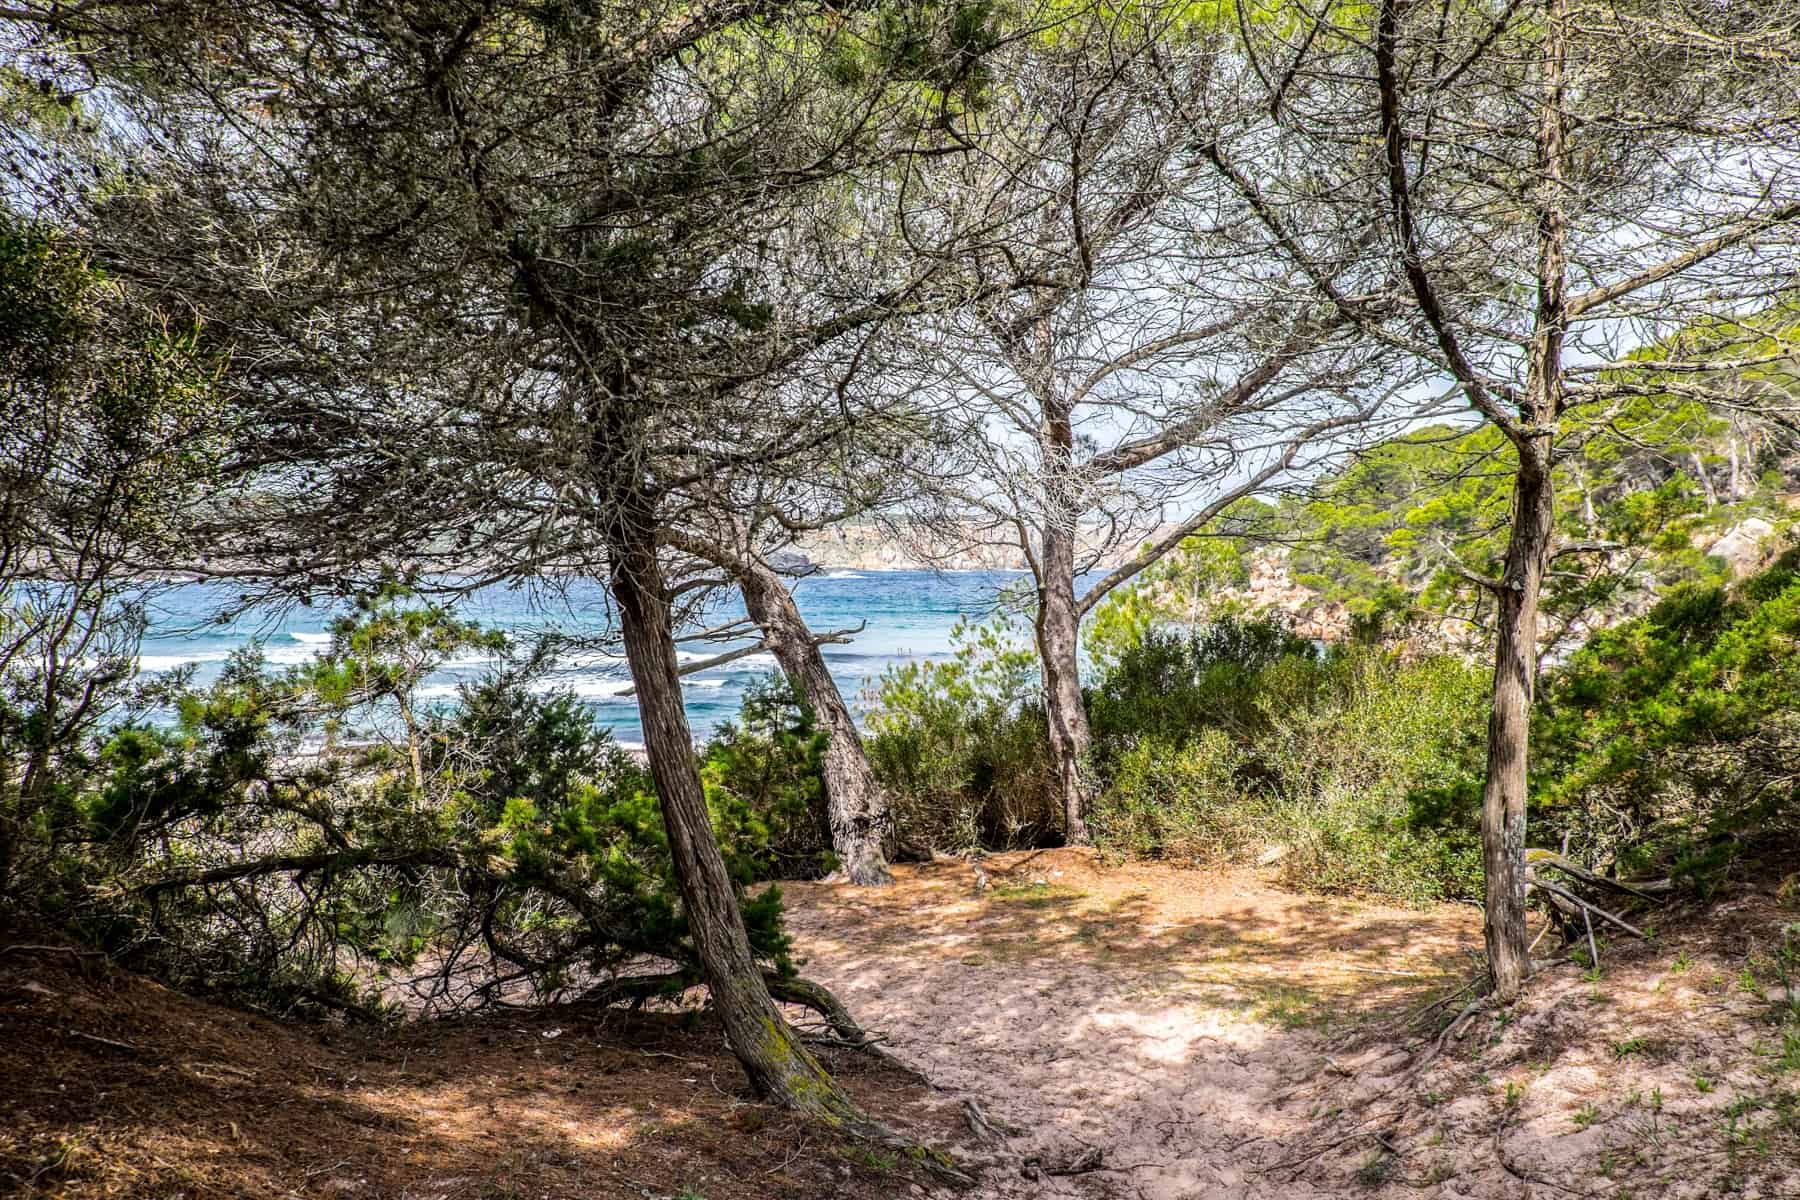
[[909, 617]]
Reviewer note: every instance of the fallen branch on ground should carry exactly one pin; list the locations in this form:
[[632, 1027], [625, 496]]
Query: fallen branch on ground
[[68, 950], [1642, 890], [1594, 909]]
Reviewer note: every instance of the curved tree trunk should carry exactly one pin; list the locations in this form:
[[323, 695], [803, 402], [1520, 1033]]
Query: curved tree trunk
[[1058, 635], [860, 812], [779, 1066]]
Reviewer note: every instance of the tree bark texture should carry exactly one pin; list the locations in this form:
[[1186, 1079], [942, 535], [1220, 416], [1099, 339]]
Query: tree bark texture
[[858, 809], [1528, 548], [1505, 789], [779, 1066], [1058, 634]]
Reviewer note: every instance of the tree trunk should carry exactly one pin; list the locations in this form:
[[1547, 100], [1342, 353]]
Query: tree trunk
[[1509, 730], [859, 810], [780, 1068], [1506, 787], [412, 743], [1058, 633], [1706, 484]]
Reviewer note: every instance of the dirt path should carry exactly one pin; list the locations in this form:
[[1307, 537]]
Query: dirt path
[[1184, 1024], [1153, 1014]]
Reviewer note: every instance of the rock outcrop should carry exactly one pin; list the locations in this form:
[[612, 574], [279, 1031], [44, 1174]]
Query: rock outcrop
[[1746, 547]]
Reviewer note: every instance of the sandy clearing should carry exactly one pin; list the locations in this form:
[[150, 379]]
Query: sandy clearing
[[1153, 1013]]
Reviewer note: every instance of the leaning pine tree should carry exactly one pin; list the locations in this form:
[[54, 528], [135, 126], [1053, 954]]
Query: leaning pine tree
[[498, 278]]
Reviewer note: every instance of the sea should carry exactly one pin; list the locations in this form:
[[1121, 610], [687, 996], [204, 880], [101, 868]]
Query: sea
[[906, 616]]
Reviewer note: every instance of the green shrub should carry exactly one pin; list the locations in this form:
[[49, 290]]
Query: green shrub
[[765, 783], [1666, 743], [961, 744], [527, 858], [110, 426], [1172, 686], [1263, 743], [1179, 800], [1349, 739]]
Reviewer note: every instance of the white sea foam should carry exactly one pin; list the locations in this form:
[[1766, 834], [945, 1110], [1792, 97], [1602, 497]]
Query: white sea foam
[[169, 662], [585, 687], [845, 575], [591, 658], [311, 639], [471, 660], [604, 658], [706, 683]]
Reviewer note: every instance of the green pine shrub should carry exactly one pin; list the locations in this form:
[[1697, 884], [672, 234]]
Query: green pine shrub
[[765, 783], [245, 854]]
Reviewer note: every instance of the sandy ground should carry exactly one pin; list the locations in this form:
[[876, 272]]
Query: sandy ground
[[1152, 1014], [1213, 1037], [111, 1086], [1135, 1031], [1671, 1072]]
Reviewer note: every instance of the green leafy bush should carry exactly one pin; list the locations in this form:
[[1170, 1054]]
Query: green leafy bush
[[1180, 800], [1349, 738], [1243, 740], [1667, 743], [505, 848], [962, 746], [1175, 686]]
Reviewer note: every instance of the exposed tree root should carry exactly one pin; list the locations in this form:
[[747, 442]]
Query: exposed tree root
[[1524, 1176], [638, 988], [847, 1034]]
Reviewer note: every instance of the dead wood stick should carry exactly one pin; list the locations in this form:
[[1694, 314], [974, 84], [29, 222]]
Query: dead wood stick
[[1379, 971], [1359, 1130], [1439, 1002], [1088, 1160], [1469, 1010], [1572, 898], [1526, 1178], [104, 1041], [68, 950], [1544, 858], [978, 1122]]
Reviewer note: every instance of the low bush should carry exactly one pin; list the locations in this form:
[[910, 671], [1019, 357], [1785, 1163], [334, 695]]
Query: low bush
[[961, 745], [1265, 744], [1179, 799], [502, 849], [765, 783], [1665, 745], [1176, 686]]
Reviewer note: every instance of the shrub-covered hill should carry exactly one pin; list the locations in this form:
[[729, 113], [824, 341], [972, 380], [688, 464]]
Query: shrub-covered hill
[[1647, 498], [1665, 746]]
